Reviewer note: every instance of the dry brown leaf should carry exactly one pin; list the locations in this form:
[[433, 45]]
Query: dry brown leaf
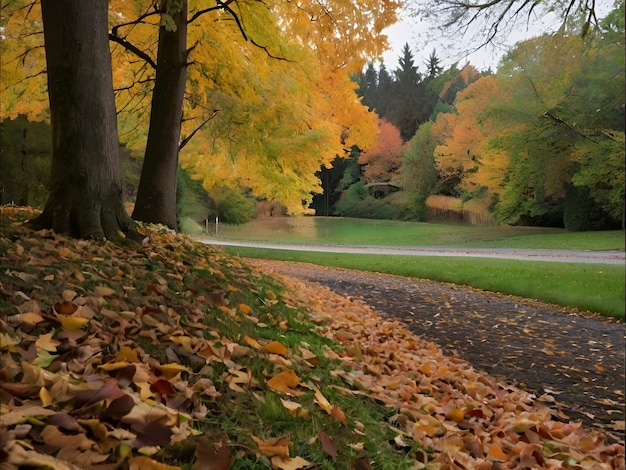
[[296, 463], [212, 455]]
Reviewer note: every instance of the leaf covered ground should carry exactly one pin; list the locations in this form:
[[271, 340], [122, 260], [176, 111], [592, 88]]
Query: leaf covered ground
[[172, 354]]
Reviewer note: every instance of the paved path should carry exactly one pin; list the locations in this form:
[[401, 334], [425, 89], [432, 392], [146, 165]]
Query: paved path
[[563, 256]]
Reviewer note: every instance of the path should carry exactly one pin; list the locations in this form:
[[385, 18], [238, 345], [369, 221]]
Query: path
[[565, 256], [574, 360]]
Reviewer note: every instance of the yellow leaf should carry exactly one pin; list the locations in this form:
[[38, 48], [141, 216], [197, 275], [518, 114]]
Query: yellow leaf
[[73, 323], [46, 343], [103, 291], [495, 452], [322, 401], [171, 370], [184, 341], [276, 347], [456, 414], [45, 397], [285, 382], [115, 365], [28, 318], [127, 354]]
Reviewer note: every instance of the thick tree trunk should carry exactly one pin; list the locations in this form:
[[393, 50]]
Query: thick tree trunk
[[156, 195], [86, 186]]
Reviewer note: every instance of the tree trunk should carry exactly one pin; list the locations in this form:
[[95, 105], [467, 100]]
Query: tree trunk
[[86, 186], [156, 195]]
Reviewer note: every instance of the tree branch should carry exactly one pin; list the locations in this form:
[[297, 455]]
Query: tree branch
[[186, 140], [132, 48]]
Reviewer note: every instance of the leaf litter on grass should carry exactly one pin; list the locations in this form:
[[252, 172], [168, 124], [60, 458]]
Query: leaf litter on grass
[[174, 355]]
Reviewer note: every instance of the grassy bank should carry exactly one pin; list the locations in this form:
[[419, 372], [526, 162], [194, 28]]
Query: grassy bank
[[586, 287]]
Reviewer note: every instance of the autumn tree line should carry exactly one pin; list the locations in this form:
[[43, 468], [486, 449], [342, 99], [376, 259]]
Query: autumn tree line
[[189, 109], [538, 142]]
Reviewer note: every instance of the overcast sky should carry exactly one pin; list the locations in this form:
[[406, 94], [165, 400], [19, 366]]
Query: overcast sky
[[422, 39]]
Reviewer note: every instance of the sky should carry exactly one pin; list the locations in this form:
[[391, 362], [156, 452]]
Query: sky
[[421, 39]]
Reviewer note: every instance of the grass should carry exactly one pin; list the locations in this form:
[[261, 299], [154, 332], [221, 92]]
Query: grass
[[345, 231], [586, 287]]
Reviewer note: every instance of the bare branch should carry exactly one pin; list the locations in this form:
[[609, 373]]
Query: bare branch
[[186, 140], [132, 48]]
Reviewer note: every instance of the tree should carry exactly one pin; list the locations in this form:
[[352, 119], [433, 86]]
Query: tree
[[419, 170], [156, 195], [382, 163], [408, 96], [86, 189]]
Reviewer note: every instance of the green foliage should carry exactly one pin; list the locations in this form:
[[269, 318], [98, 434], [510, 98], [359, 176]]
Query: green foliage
[[192, 203], [419, 170], [232, 205], [580, 213], [25, 162], [357, 202]]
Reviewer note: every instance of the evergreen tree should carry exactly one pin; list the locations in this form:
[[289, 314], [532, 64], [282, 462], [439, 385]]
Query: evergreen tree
[[433, 66], [409, 92], [368, 86], [384, 92]]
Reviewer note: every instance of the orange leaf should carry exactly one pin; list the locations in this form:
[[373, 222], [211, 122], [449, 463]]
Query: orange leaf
[[274, 447], [495, 452], [285, 382], [245, 309], [252, 342], [276, 347], [339, 415]]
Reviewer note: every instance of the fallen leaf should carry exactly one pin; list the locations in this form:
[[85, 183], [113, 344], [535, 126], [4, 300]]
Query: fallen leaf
[[296, 463], [496, 453], [285, 382], [146, 463], [73, 323], [328, 445], [274, 447], [276, 347], [212, 455]]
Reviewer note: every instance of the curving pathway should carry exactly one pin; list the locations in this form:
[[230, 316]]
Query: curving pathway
[[574, 361]]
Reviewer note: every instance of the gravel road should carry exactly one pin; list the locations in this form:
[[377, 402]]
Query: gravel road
[[563, 256]]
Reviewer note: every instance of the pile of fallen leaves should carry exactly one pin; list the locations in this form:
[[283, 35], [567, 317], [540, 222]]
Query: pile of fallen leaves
[[172, 354]]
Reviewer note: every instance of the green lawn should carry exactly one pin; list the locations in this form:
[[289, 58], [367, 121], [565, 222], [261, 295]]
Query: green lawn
[[587, 287], [345, 231]]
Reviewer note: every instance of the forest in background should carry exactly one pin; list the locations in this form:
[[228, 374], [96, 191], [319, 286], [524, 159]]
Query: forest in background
[[538, 142]]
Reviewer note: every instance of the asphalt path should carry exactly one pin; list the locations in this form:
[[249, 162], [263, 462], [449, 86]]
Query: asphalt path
[[561, 256]]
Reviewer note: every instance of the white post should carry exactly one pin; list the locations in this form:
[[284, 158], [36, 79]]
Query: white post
[[216, 223], [206, 225]]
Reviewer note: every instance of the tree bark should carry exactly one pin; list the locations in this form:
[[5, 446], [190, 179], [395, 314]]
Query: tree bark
[[156, 195], [85, 198]]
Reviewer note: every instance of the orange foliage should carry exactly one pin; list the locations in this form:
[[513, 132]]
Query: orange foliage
[[382, 163], [466, 136]]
